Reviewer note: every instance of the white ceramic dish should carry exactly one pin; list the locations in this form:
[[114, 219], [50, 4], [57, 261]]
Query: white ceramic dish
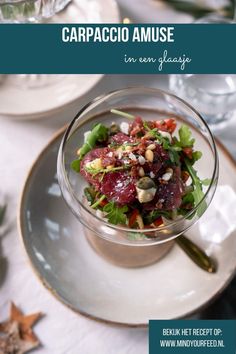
[[35, 100], [34, 96], [172, 288]]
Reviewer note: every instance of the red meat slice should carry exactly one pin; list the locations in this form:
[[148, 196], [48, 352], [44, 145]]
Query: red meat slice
[[137, 126], [90, 156], [171, 193], [168, 195], [121, 138], [119, 187]]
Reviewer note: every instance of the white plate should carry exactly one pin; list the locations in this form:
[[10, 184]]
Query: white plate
[[35, 101], [34, 96], [172, 288]]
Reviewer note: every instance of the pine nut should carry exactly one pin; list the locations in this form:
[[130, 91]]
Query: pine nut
[[151, 147], [149, 155], [141, 172], [167, 175]]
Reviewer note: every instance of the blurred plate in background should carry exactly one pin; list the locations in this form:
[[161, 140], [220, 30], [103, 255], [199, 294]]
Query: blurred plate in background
[[39, 95]]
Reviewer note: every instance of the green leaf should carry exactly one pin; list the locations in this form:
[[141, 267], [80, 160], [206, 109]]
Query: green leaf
[[197, 193], [206, 182], [96, 204], [145, 125], [95, 171], [90, 193], [75, 165], [173, 149], [2, 213], [154, 214], [122, 114], [188, 198], [174, 156], [116, 215], [196, 156], [185, 136], [98, 133]]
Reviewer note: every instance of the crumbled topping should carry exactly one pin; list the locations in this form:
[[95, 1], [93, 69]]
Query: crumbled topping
[[141, 160], [124, 127], [167, 175], [132, 156], [165, 135], [152, 175]]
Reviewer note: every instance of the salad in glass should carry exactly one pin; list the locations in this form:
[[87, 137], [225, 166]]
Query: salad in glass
[[137, 167], [139, 173]]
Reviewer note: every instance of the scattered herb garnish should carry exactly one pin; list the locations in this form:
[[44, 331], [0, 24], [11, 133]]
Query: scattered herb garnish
[[157, 155], [150, 217], [164, 141], [94, 206], [116, 215], [185, 137], [95, 171], [90, 194], [99, 133], [197, 193], [122, 114]]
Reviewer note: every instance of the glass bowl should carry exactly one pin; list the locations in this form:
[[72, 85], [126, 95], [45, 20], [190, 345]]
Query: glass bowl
[[119, 244]]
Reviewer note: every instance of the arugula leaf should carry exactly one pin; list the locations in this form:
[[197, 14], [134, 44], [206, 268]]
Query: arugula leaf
[[206, 182], [90, 193], [95, 171], [96, 204], [172, 149], [188, 198], [98, 133], [196, 156], [116, 215], [2, 213], [75, 165], [197, 193], [154, 214], [185, 136]]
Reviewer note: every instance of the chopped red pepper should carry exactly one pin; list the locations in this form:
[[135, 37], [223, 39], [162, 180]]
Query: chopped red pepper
[[185, 176], [103, 202], [188, 151], [158, 221], [167, 125], [133, 217]]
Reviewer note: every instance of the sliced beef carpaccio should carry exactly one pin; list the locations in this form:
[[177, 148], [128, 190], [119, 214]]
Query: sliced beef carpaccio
[[121, 138], [136, 126], [160, 161], [90, 156], [168, 195], [119, 187]]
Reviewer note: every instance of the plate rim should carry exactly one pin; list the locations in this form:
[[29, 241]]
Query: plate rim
[[48, 112], [52, 291]]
